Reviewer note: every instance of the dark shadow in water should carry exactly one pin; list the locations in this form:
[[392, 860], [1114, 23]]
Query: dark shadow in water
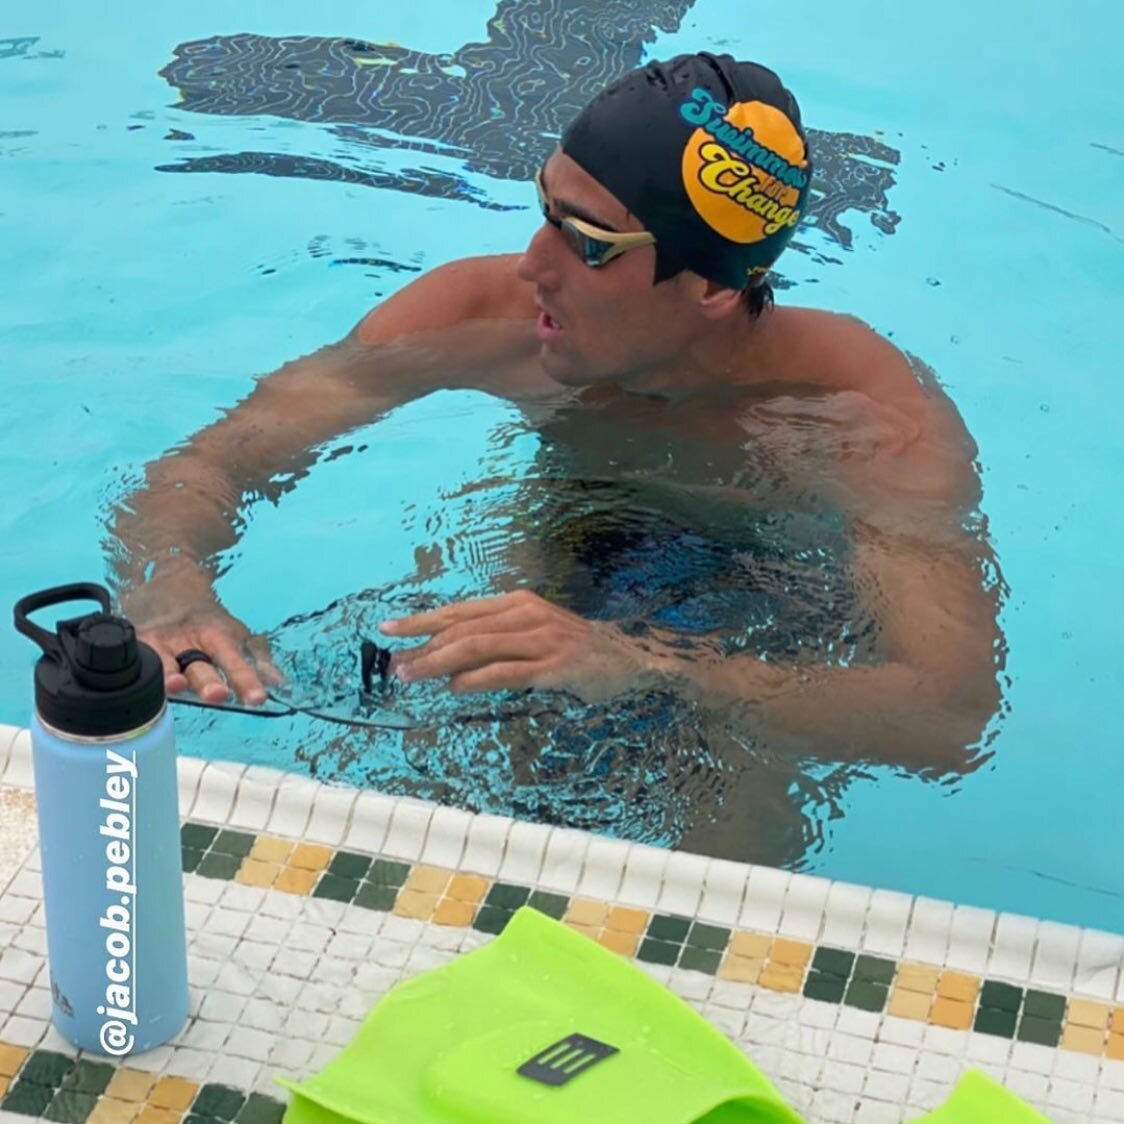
[[499, 105]]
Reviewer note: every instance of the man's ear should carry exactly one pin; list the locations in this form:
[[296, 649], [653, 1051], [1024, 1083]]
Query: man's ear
[[717, 302]]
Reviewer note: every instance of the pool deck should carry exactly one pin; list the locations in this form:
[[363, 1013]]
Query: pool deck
[[306, 902]]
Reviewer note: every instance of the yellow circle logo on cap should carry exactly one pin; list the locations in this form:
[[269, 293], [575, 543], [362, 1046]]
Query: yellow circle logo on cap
[[745, 168]]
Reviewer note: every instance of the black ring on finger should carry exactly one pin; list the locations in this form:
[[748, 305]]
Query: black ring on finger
[[192, 655]]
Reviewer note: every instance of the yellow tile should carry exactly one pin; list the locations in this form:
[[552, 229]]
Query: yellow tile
[[428, 879], [130, 1085], [110, 1111], [270, 849], [1115, 1047], [1115, 1022], [450, 912], [1083, 1012], [254, 872], [591, 931], [623, 920], [1086, 1039], [753, 945], [467, 888], [909, 1004], [917, 977], [616, 941], [959, 986], [11, 1058], [781, 977], [584, 912], [415, 905], [291, 881], [310, 856], [953, 1013], [741, 969], [152, 1115], [173, 1092], [792, 954], [4, 1083]]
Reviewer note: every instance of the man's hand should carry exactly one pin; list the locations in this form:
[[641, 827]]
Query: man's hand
[[517, 641], [176, 615]]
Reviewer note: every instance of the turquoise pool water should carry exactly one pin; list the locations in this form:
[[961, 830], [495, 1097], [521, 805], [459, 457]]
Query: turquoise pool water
[[159, 253]]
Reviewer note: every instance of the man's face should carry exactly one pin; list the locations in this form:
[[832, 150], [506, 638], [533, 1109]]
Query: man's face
[[604, 323]]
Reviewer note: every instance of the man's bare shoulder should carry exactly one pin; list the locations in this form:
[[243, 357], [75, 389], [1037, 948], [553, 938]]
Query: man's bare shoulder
[[479, 288]]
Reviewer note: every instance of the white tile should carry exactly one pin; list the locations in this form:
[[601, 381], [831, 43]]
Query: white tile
[[604, 869], [938, 1067], [1055, 956], [927, 1094], [18, 966], [370, 820], [35, 1004], [1109, 1105], [244, 899], [196, 888], [886, 920], [1072, 1066], [7, 736], [1070, 1095], [245, 1042], [485, 845], [764, 899], [887, 1094], [892, 1058], [864, 1024], [1099, 961], [523, 854], [988, 1049], [1013, 947], [331, 814], [408, 826], [290, 1055], [969, 942], [1030, 1086], [19, 772], [563, 860], [727, 993], [27, 884], [20, 1031], [845, 915], [1112, 1074], [804, 906], [820, 1015], [1032, 1057], [292, 807], [241, 1073], [217, 786], [682, 884], [840, 1077], [253, 802], [445, 840], [643, 877], [723, 891], [926, 940], [188, 772], [944, 1040], [851, 1049]]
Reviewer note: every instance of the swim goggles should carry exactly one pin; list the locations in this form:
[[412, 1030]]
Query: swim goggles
[[595, 247]]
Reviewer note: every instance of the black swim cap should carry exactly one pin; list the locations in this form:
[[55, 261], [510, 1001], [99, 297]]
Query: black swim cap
[[708, 154]]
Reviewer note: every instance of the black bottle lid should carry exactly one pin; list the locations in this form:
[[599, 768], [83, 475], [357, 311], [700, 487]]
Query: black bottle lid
[[95, 678]]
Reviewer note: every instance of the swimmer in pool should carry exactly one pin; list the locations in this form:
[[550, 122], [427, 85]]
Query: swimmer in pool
[[641, 304]]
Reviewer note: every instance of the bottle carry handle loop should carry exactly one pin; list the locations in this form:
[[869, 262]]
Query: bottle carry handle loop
[[57, 595]]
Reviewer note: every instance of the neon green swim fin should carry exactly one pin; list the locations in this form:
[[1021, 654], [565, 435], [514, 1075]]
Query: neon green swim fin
[[542, 1025], [977, 1099]]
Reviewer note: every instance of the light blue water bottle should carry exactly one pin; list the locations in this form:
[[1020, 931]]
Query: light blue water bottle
[[105, 782]]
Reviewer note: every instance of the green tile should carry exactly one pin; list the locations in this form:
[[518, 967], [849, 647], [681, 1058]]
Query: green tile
[[197, 836], [1045, 1005], [1045, 1032], [260, 1109], [993, 1020], [195, 1119], [867, 995], [834, 962], [45, 1067], [503, 895], [664, 927], [700, 960], [27, 1098], [492, 919], [713, 937], [237, 843], [71, 1108], [553, 905], [383, 872], [875, 969], [219, 866], [220, 1102], [1000, 996], [89, 1077], [372, 896], [336, 889], [191, 860], [347, 864], [659, 952], [827, 988]]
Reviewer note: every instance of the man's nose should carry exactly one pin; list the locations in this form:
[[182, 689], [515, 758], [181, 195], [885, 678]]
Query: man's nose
[[537, 263]]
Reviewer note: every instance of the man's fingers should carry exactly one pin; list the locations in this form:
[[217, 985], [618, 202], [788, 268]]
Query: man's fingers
[[508, 676], [474, 652], [268, 672], [206, 682], [425, 624], [516, 619], [239, 674]]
